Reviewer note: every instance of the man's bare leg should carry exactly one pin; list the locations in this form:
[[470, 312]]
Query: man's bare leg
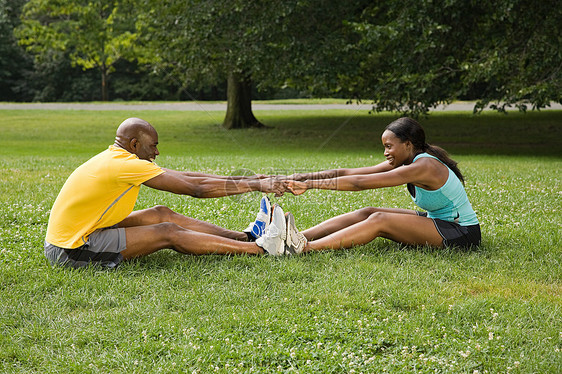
[[144, 240], [162, 214]]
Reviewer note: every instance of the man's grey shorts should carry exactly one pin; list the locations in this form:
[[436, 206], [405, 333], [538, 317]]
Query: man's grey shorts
[[103, 248]]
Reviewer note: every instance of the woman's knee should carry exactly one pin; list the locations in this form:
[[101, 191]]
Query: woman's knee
[[376, 217], [365, 213]]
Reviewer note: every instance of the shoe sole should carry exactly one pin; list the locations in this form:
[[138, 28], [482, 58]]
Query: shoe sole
[[293, 240], [284, 227], [280, 250]]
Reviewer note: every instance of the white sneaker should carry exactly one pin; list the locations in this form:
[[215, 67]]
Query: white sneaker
[[296, 241], [273, 239], [263, 218]]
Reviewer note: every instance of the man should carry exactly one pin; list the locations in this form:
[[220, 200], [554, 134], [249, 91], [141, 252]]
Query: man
[[92, 220]]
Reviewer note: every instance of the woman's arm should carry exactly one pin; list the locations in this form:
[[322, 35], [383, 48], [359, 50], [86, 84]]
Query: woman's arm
[[342, 172], [413, 173]]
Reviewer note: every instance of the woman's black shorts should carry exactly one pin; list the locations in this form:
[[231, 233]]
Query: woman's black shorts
[[454, 234]]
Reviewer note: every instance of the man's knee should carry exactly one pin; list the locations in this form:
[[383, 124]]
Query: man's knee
[[162, 212], [168, 228], [169, 231]]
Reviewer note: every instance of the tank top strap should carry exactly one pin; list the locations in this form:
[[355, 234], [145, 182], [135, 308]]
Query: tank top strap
[[425, 154]]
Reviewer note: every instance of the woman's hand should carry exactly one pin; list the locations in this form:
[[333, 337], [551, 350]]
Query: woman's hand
[[296, 187]]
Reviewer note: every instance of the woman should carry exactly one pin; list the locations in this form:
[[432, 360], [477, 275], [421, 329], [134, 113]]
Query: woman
[[432, 178]]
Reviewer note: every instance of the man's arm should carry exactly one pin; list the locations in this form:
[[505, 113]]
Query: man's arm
[[214, 176], [205, 187]]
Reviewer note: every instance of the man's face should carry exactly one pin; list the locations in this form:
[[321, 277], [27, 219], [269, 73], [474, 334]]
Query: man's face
[[146, 147]]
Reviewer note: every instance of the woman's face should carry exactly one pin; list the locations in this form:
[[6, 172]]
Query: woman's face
[[396, 151]]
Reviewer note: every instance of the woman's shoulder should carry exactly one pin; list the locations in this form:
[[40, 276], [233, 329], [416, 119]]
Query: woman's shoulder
[[427, 160], [424, 155], [431, 171]]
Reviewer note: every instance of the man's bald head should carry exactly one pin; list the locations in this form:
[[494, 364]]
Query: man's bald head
[[133, 127], [138, 137]]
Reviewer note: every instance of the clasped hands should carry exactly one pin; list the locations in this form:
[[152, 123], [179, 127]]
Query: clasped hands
[[279, 184]]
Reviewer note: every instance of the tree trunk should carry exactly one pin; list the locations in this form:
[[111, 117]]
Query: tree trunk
[[239, 113]]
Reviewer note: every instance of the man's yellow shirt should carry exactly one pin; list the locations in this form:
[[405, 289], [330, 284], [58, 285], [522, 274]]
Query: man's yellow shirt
[[100, 193]]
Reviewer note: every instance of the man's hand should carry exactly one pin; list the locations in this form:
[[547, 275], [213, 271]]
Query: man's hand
[[296, 187], [273, 185]]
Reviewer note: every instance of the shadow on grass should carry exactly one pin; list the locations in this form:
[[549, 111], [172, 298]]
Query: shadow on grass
[[290, 133], [167, 260], [530, 134]]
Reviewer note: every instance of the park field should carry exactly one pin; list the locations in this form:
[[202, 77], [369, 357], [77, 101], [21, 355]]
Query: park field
[[380, 307]]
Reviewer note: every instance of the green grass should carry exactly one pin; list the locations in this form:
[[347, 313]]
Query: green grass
[[374, 308]]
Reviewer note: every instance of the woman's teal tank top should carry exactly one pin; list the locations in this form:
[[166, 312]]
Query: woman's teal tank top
[[449, 203]]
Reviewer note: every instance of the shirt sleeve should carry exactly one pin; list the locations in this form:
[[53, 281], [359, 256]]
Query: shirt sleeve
[[137, 171]]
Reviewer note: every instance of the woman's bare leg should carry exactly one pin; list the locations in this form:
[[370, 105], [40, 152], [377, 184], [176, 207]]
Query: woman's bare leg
[[402, 228], [348, 219]]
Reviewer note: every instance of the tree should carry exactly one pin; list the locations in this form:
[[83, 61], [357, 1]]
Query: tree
[[404, 55], [94, 33], [208, 42], [413, 55], [519, 62], [14, 64], [243, 43]]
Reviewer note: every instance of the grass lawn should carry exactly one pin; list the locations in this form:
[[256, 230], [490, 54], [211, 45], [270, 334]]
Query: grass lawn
[[375, 308]]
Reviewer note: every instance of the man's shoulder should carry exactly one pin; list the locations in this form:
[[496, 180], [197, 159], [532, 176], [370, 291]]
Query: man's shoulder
[[119, 157], [120, 153], [117, 162]]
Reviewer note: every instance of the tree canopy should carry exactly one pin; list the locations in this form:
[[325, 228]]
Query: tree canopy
[[13, 60], [96, 34], [270, 44], [413, 54], [401, 55]]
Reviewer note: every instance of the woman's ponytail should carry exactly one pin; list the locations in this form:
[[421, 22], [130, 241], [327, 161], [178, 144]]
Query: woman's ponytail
[[443, 156]]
